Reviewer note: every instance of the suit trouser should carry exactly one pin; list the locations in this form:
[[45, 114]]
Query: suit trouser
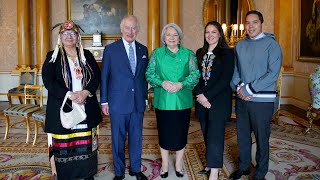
[[121, 124], [213, 129], [256, 117]]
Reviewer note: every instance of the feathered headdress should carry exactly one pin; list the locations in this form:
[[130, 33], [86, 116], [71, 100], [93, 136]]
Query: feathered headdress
[[87, 71], [68, 25]]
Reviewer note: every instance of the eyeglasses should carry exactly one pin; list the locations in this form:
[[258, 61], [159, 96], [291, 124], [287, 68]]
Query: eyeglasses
[[172, 35], [66, 34]]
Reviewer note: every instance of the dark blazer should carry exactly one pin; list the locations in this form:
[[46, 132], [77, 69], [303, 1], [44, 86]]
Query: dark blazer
[[218, 90], [123, 91], [54, 83]]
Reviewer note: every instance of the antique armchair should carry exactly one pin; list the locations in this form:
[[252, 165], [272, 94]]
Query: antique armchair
[[150, 98], [27, 76], [31, 92]]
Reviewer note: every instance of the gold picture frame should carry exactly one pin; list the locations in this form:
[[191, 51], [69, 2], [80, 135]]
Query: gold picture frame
[[99, 15], [309, 32]]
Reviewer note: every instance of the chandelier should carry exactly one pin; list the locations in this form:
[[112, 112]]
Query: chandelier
[[233, 34]]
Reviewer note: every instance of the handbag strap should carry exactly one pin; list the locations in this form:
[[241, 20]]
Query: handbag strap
[[74, 105], [65, 100]]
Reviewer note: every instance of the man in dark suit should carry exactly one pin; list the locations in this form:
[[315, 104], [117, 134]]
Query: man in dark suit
[[124, 94]]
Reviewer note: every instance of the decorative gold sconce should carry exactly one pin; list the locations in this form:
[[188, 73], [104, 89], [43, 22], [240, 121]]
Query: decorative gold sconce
[[233, 34]]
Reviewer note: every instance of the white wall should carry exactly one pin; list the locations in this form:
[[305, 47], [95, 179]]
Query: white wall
[[295, 90]]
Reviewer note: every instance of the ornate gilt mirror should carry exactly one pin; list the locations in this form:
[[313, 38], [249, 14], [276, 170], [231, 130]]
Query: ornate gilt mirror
[[226, 11]]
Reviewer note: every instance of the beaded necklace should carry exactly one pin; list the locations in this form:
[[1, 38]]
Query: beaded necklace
[[77, 69]]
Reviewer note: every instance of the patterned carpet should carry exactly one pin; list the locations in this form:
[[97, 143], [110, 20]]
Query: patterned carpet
[[293, 154]]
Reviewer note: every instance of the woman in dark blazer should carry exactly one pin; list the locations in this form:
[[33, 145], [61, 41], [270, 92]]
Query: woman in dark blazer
[[72, 152], [213, 94]]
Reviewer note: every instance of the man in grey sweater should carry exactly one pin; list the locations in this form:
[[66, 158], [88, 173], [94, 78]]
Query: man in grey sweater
[[258, 64]]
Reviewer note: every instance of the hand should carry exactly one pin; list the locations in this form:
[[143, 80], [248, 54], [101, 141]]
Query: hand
[[79, 97], [105, 109], [203, 101], [206, 104], [175, 87], [243, 97], [201, 98], [171, 87], [166, 85]]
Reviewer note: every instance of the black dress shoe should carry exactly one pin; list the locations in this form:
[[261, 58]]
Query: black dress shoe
[[118, 177], [204, 171], [238, 173], [179, 173], [139, 175], [164, 174]]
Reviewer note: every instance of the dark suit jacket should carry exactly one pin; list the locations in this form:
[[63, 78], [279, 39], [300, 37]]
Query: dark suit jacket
[[54, 83], [124, 92], [218, 90]]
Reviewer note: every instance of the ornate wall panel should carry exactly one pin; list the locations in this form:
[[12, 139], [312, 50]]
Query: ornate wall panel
[[140, 9], [266, 7], [191, 24]]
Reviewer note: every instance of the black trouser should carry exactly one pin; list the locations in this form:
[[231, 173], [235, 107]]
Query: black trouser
[[256, 117], [213, 129]]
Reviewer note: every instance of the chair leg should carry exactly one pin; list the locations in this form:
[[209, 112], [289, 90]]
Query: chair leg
[[28, 129], [7, 127], [275, 117], [9, 100], [35, 132], [20, 99], [42, 126]]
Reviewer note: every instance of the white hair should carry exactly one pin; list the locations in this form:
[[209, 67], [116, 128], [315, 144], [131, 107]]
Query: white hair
[[174, 26], [130, 17]]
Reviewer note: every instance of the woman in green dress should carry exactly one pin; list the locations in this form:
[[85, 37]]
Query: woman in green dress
[[173, 72]]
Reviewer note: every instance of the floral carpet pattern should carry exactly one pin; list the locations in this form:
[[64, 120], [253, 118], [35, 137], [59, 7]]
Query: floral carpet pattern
[[293, 154], [19, 160]]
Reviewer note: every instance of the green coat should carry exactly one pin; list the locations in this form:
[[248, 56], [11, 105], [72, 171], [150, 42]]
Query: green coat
[[175, 67]]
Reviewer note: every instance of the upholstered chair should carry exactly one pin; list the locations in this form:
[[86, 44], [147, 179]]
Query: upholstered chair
[[27, 76], [150, 98], [38, 117], [25, 110]]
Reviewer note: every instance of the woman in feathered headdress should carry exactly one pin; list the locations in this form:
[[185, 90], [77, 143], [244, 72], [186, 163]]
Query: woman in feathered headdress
[[72, 152]]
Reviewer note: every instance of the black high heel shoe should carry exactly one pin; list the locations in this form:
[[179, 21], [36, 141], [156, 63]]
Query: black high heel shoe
[[204, 171], [179, 173], [164, 174]]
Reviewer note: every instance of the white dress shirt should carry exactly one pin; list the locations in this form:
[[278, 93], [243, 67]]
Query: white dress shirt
[[126, 45]]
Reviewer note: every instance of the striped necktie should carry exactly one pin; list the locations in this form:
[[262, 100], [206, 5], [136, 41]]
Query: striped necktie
[[131, 59]]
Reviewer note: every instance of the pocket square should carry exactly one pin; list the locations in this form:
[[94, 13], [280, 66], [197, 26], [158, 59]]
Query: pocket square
[[144, 56]]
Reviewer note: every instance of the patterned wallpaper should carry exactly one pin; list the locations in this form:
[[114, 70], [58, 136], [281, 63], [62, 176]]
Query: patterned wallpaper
[[8, 35], [191, 24]]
